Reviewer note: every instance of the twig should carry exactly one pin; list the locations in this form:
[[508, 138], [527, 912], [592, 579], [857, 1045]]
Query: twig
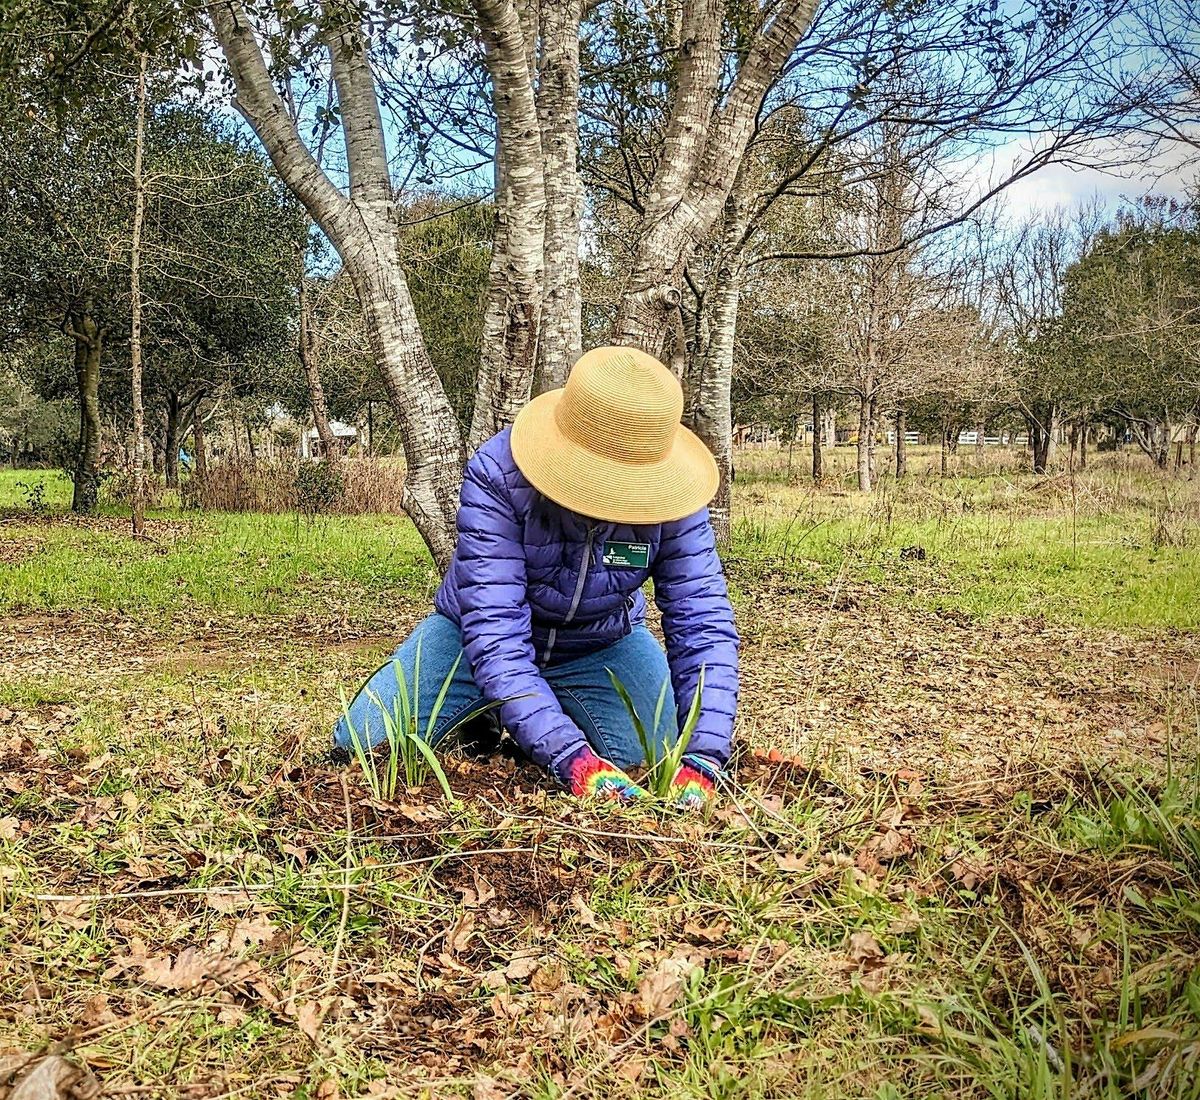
[[341, 934], [727, 787]]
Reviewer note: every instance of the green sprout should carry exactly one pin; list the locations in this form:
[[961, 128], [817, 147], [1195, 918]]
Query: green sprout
[[661, 766], [409, 750]]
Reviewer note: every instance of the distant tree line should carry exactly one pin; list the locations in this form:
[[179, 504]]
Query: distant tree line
[[433, 208]]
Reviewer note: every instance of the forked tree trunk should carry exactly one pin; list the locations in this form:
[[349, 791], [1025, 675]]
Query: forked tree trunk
[[901, 444], [703, 145], [135, 325], [818, 456], [362, 228], [1041, 423], [89, 344]]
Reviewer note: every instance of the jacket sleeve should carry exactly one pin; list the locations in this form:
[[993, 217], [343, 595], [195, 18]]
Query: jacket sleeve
[[697, 620], [497, 628]]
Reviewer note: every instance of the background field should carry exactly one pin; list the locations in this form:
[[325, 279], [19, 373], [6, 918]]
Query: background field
[[959, 857]]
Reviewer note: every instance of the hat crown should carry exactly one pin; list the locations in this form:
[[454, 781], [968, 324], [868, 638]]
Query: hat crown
[[621, 403]]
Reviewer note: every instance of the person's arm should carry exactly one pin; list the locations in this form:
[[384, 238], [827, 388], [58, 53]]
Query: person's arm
[[697, 620], [497, 631]]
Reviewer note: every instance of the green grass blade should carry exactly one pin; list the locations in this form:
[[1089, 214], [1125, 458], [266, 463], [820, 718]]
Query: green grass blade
[[441, 699], [432, 762], [648, 747]]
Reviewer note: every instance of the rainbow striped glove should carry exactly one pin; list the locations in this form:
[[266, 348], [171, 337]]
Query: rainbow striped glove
[[587, 775], [692, 787]]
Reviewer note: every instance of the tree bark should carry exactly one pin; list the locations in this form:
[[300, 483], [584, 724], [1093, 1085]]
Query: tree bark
[[711, 401], [560, 344], [901, 444], [945, 447], [200, 443], [308, 352], [89, 344], [873, 430], [362, 228], [818, 456], [250, 439], [863, 448], [171, 436], [135, 324], [713, 410], [512, 318], [1083, 447], [704, 143], [1041, 423]]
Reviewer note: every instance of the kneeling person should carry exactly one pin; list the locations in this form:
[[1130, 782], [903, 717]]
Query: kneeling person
[[596, 488]]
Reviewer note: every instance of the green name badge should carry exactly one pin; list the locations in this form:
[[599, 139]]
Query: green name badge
[[627, 555]]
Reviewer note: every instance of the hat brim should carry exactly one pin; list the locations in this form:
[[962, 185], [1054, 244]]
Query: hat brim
[[599, 487]]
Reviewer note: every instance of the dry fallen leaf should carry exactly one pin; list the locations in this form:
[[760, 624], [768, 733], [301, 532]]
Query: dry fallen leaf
[[488, 1088], [864, 946], [310, 1016], [586, 914], [793, 862], [9, 828], [708, 933], [661, 988], [547, 978], [459, 936], [53, 1078], [522, 966]]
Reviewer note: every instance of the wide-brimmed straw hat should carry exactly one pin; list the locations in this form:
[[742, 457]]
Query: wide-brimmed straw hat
[[609, 444]]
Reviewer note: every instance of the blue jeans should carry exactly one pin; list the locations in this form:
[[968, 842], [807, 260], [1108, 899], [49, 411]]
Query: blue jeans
[[582, 687]]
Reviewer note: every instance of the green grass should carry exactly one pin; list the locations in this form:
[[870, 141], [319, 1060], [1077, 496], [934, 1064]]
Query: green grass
[[1124, 553], [1116, 546], [232, 563]]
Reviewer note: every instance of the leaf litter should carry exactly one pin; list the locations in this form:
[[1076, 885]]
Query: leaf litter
[[515, 935]]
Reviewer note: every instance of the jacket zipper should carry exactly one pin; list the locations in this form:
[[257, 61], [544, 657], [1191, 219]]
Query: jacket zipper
[[583, 572]]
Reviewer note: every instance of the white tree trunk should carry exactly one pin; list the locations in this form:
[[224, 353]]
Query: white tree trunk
[[865, 429], [558, 115], [362, 228], [711, 378], [513, 316], [135, 310], [714, 417], [703, 148]]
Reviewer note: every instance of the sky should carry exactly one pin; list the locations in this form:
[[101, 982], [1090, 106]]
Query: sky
[[1172, 172]]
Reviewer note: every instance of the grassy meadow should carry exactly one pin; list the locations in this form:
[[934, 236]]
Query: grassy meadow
[[958, 857]]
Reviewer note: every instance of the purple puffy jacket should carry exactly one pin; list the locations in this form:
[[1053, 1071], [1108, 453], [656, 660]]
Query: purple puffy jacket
[[529, 589]]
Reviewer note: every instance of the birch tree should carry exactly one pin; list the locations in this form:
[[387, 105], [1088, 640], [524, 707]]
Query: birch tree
[[361, 226], [135, 307]]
